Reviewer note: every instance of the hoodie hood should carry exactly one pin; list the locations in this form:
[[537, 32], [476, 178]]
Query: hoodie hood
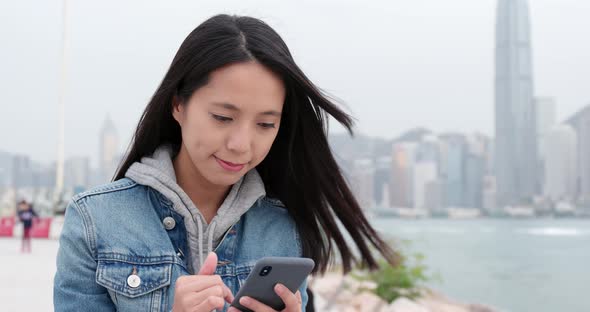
[[157, 172]]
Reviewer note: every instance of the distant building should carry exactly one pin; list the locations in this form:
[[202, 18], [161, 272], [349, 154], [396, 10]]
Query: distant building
[[546, 118], [363, 175], [425, 173], [454, 160], [382, 181], [26, 173], [434, 197], [109, 150], [580, 122], [516, 161], [489, 204], [561, 163], [402, 185], [5, 170], [77, 173], [22, 172], [384, 202], [44, 175], [427, 149], [475, 170]]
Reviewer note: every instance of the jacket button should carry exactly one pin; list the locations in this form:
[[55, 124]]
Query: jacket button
[[169, 223], [133, 281]]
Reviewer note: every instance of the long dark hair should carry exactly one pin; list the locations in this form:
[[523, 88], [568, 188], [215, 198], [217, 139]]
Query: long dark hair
[[300, 169]]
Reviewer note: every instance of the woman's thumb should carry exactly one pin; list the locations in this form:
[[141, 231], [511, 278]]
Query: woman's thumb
[[210, 264]]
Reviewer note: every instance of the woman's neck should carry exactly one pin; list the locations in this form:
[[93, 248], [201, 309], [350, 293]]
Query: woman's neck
[[207, 197]]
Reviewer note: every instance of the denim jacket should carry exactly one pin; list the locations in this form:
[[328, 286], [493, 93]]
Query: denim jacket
[[118, 230]]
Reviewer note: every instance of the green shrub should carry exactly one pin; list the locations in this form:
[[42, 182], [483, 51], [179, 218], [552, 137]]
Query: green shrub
[[407, 279]]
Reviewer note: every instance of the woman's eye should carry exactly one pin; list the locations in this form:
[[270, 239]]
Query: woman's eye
[[267, 125], [221, 118]]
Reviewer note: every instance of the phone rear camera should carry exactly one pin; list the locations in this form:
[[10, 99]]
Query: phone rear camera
[[265, 270]]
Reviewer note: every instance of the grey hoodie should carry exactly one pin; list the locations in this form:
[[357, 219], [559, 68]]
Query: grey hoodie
[[157, 172]]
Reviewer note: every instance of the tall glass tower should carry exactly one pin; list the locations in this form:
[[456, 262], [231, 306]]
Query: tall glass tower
[[516, 147]]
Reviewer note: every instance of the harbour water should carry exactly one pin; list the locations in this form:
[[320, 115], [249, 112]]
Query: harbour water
[[513, 265]]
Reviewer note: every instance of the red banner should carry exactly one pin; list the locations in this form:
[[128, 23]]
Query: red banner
[[6, 226], [40, 227]]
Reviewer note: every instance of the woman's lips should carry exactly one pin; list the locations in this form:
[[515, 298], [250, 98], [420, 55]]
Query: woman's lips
[[229, 166]]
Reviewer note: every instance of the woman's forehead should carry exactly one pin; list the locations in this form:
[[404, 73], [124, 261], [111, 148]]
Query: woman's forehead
[[245, 86]]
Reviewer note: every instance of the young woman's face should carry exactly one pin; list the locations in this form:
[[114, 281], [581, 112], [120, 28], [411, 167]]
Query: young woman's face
[[229, 125]]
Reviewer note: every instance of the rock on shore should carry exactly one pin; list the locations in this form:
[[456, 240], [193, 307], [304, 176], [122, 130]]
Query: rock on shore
[[333, 292]]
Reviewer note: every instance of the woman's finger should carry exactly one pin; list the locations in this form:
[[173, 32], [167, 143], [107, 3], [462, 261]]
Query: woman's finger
[[227, 294], [194, 290], [213, 291], [292, 301], [195, 283], [255, 305], [211, 303], [292, 304], [209, 265]]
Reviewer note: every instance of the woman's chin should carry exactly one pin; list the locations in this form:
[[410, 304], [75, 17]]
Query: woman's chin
[[226, 179]]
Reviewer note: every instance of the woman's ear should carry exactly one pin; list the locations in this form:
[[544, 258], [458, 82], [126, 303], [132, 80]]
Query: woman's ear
[[177, 110]]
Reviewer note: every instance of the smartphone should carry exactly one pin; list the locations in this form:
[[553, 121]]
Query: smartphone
[[269, 271]]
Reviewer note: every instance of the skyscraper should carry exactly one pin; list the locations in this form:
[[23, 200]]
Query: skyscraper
[[580, 121], [401, 186], [77, 173], [363, 175], [382, 181], [516, 144], [453, 168], [109, 150], [425, 174], [545, 110], [561, 160]]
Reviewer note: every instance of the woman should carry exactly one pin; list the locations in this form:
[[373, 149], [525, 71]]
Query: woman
[[230, 156]]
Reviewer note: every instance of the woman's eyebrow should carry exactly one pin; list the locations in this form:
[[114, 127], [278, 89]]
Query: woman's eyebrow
[[233, 107], [226, 106]]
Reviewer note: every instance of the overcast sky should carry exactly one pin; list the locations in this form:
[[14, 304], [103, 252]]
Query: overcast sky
[[396, 64]]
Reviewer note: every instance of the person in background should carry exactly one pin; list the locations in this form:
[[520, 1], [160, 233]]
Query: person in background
[[26, 214]]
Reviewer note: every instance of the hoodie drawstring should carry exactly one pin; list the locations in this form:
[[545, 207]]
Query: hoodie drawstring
[[210, 232], [200, 229], [210, 241]]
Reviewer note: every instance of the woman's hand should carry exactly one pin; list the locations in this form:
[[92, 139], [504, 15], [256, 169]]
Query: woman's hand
[[203, 292], [292, 301]]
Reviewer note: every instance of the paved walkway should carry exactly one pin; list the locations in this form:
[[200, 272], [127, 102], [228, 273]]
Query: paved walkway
[[26, 280]]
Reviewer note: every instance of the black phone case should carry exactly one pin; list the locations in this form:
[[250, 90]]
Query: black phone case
[[289, 271]]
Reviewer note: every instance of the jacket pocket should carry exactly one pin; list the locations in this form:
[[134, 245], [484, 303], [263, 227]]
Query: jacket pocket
[[136, 283]]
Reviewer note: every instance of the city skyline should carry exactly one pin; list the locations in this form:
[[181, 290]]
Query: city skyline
[[430, 63], [420, 171]]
